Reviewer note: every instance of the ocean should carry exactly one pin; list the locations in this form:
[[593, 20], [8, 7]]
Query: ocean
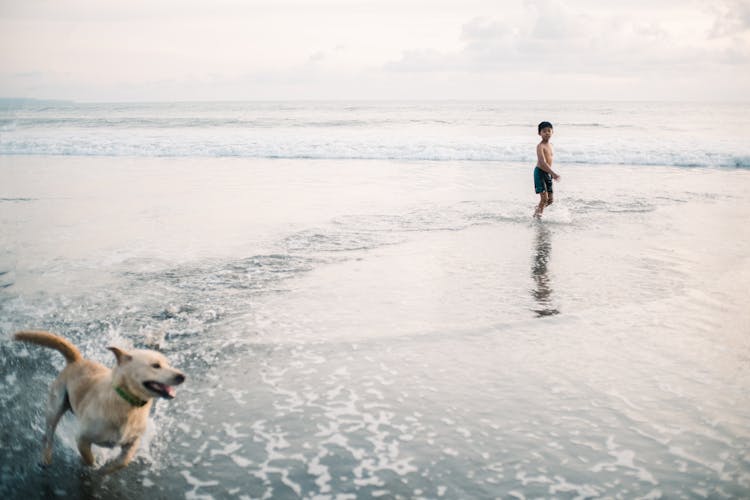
[[365, 307], [648, 133]]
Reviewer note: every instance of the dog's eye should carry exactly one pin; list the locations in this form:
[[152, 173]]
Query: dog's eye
[[156, 365]]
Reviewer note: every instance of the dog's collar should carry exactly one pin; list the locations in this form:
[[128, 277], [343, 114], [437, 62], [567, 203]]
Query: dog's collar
[[133, 400]]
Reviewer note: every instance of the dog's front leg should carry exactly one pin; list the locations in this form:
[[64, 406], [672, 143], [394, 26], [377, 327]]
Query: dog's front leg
[[84, 448], [127, 451]]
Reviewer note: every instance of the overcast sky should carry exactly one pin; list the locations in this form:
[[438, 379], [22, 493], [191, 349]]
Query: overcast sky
[[117, 50]]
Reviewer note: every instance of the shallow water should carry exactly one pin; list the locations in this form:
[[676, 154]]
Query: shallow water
[[386, 328]]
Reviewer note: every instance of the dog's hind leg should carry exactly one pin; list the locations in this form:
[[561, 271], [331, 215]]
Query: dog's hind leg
[[57, 405]]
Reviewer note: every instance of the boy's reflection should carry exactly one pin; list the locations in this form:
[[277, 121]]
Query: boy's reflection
[[543, 291]]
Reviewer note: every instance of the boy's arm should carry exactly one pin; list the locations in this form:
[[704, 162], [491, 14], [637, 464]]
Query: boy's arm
[[542, 161]]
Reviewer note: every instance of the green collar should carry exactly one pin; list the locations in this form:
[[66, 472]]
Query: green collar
[[133, 400]]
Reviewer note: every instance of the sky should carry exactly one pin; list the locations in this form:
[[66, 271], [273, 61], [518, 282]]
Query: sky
[[177, 50]]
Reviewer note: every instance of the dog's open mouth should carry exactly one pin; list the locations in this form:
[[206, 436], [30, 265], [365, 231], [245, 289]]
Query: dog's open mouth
[[163, 390]]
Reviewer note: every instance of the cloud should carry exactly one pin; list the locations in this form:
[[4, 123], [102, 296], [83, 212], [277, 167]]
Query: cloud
[[483, 29], [550, 36], [556, 21], [317, 56], [732, 18], [28, 75], [426, 60]]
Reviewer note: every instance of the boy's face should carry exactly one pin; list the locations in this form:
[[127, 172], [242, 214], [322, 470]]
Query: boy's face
[[546, 133]]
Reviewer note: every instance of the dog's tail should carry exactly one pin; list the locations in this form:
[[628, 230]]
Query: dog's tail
[[46, 339]]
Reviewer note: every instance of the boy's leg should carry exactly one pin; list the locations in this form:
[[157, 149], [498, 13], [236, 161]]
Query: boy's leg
[[549, 199], [542, 203]]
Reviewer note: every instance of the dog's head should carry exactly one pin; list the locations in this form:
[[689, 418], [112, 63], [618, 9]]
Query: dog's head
[[146, 373]]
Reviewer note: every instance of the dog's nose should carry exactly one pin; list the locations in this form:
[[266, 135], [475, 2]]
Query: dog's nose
[[180, 378]]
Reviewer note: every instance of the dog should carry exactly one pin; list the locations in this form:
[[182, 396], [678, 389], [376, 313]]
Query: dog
[[112, 406]]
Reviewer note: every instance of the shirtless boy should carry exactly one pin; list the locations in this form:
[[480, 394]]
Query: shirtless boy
[[543, 173]]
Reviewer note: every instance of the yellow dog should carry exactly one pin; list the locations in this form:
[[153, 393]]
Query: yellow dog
[[112, 406]]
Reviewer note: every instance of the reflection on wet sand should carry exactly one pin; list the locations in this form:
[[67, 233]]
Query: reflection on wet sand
[[542, 292]]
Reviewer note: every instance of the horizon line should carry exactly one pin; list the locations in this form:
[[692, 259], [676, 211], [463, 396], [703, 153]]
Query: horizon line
[[374, 100]]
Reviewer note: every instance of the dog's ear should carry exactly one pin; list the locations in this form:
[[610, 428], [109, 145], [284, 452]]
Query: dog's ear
[[122, 356]]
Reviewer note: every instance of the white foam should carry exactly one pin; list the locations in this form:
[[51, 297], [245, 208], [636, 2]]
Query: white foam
[[717, 467], [320, 471], [526, 480], [582, 490], [241, 461], [228, 449], [623, 459], [196, 485]]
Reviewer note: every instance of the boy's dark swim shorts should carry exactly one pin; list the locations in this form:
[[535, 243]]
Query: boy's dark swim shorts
[[542, 181]]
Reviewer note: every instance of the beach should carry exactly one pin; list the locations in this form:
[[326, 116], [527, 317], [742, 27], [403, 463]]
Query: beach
[[369, 310]]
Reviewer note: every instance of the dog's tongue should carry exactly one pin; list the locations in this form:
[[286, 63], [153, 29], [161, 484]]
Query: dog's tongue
[[169, 390]]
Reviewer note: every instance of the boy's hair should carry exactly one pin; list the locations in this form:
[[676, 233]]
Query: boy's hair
[[544, 125]]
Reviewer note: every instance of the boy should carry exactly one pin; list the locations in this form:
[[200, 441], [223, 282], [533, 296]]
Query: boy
[[543, 173]]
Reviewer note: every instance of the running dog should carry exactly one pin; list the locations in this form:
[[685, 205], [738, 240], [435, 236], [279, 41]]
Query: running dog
[[112, 406]]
